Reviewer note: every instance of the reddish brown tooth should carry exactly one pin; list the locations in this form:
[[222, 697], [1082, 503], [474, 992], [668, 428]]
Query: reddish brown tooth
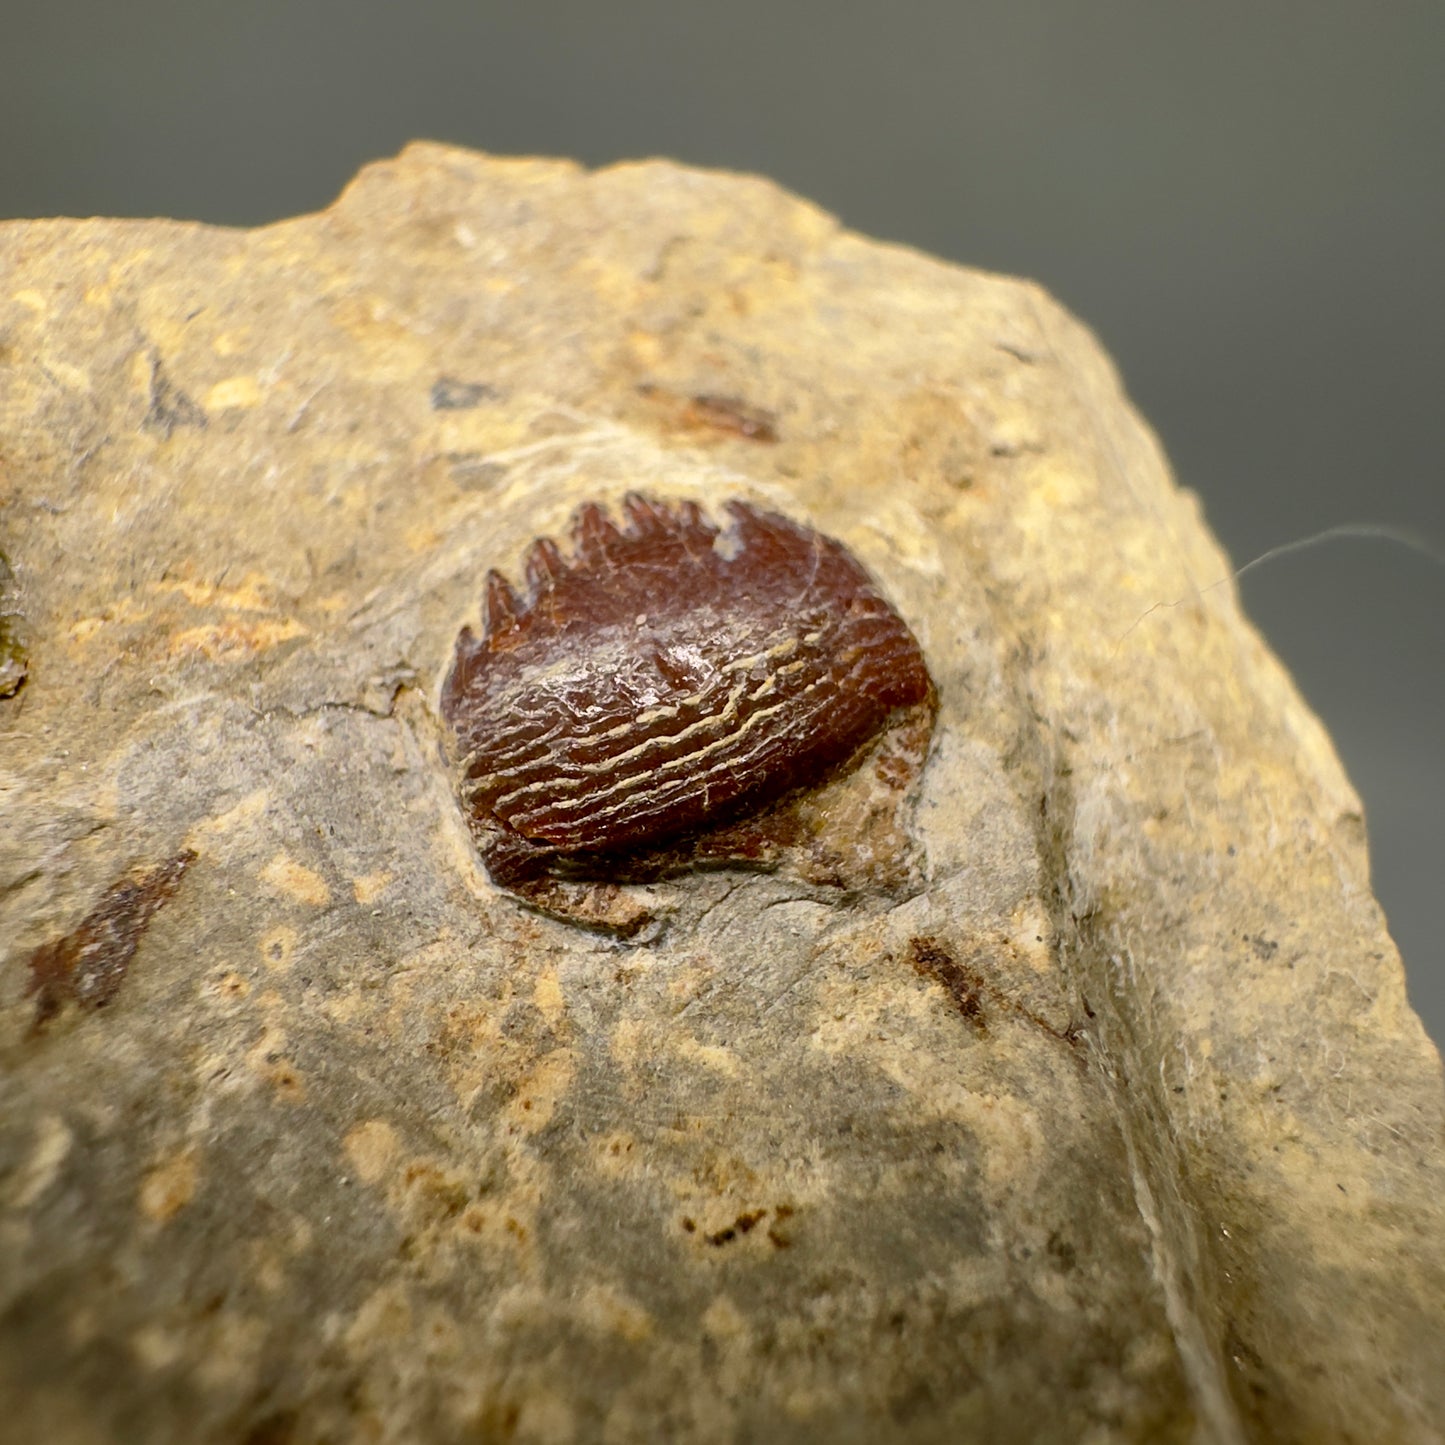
[[544, 565], [593, 532], [460, 677], [645, 516], [537, 708], [502, 611], [689, 516], [467, 646], [756, 528]]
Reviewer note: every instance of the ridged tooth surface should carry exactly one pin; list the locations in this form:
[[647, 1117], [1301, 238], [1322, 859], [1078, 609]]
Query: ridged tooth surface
[[669, 683]]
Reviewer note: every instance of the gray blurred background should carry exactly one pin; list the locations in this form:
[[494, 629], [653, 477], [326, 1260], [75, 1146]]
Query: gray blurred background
[[1245, 201]]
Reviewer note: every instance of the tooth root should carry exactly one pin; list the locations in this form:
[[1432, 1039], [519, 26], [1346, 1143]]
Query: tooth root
[[544, 565], [502, 610], [593, 531]]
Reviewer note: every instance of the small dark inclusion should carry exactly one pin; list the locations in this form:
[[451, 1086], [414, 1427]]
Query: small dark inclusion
[[90, 963], [672, 677]]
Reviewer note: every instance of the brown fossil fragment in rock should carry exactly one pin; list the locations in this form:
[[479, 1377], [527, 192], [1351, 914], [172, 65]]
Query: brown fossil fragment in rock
[[89, 964], [670, 684]]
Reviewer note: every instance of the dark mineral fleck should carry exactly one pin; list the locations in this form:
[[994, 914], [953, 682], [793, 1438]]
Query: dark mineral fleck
[[14, 657]]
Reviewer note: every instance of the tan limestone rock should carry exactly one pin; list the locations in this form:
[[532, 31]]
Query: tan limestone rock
[[1118, 1126]]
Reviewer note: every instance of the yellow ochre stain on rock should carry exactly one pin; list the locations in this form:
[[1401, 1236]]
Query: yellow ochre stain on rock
[[295, 880], [539, 1093], [608, 1311], [267, 1061], [251, 807], [369, 887], [169, 1187], [254, 593], [226, 641], [547, 995], [277, 946], [234, 391], [372, 1149]]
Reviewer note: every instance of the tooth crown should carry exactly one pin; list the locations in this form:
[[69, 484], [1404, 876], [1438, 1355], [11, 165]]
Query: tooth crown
[[672, 676]]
